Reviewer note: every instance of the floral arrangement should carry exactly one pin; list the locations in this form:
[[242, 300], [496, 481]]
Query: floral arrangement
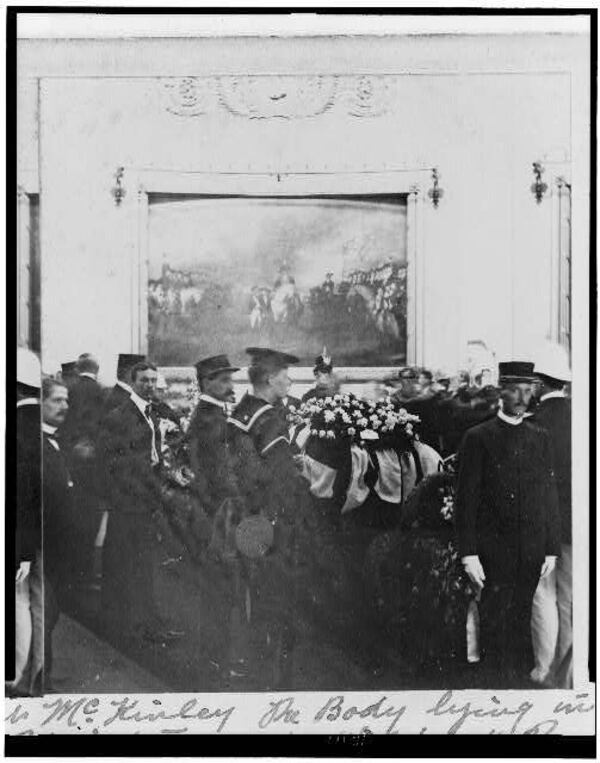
[[347, 417]]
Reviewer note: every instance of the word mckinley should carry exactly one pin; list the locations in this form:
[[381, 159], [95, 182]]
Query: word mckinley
[[71, 712]]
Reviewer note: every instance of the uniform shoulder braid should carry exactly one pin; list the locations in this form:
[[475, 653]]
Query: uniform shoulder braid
[[248, 411], [261, 421]]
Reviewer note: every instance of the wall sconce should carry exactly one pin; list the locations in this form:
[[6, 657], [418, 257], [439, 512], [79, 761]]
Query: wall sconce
[[435, 193], [118, 191], [538, 188]]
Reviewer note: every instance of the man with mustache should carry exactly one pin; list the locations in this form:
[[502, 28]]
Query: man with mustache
[[508, 524], [207, 433]]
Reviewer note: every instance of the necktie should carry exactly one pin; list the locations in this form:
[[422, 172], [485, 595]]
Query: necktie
[[154, 453]]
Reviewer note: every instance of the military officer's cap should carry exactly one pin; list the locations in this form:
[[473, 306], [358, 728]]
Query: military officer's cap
[[217, 364], [515, 371], [263, 356]]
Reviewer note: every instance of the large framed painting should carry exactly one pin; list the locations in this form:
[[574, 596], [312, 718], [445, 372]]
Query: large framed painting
[[295, 272]]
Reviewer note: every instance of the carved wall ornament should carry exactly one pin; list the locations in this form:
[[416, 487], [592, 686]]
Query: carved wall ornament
[[365, 96], [285, 97], [187, 96], [278, 96]]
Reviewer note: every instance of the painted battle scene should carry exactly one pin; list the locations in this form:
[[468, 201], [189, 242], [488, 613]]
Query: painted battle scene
[[295, 273]]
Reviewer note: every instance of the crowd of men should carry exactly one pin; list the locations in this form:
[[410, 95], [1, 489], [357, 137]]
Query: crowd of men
[[102, 457]]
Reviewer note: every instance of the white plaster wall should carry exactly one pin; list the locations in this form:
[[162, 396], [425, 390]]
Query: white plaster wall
[[471, 110]]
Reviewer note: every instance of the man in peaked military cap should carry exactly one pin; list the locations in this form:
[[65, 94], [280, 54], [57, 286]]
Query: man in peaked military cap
[[272, 487], [207, 434], [508, 523]]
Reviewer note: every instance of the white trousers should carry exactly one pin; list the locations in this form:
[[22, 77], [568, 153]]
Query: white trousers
[[29, 629], [23, 632], [552, 623]]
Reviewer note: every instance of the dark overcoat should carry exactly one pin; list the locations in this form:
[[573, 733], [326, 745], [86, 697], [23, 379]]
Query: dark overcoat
[[58, 529], [506, 502], [124, 446], [116, 397], [554, 415], [214, 479], [26, 503], [86, 406]]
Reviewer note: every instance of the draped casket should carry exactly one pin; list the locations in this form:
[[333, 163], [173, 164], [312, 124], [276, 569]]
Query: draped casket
[[348, 473]]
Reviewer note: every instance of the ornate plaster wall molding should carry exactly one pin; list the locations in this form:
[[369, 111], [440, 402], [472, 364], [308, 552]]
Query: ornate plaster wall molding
[[278, 96]]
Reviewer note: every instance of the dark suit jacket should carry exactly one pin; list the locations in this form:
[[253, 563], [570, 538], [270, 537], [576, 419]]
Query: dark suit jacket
[[209, 455], [116, 397], [86, 407], [28, 499], [554, 415], [124, 447], [58, 511], [506, 502]]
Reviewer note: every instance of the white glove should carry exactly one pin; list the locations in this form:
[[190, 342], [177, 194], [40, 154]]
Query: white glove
[[23, 571], [474, 570], [548, 565]]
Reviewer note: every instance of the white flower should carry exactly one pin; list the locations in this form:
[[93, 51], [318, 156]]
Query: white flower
[[314, 432], [346, 418], [328, 400], [329, 416], [337, 398], [330, 433], [322, 433], [362, 422], [351, 431]]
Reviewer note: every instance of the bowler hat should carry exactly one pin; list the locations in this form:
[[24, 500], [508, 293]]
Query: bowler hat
[[515, 371], [266, 356], [217, 364]]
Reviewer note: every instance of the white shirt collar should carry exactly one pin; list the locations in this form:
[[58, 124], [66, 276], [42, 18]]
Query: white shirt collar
[[555, 393], [48, 429], [124, 386], [90, 375], [142, 405], [514, 420], [27, 401], [139, 402], [212, 400]]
